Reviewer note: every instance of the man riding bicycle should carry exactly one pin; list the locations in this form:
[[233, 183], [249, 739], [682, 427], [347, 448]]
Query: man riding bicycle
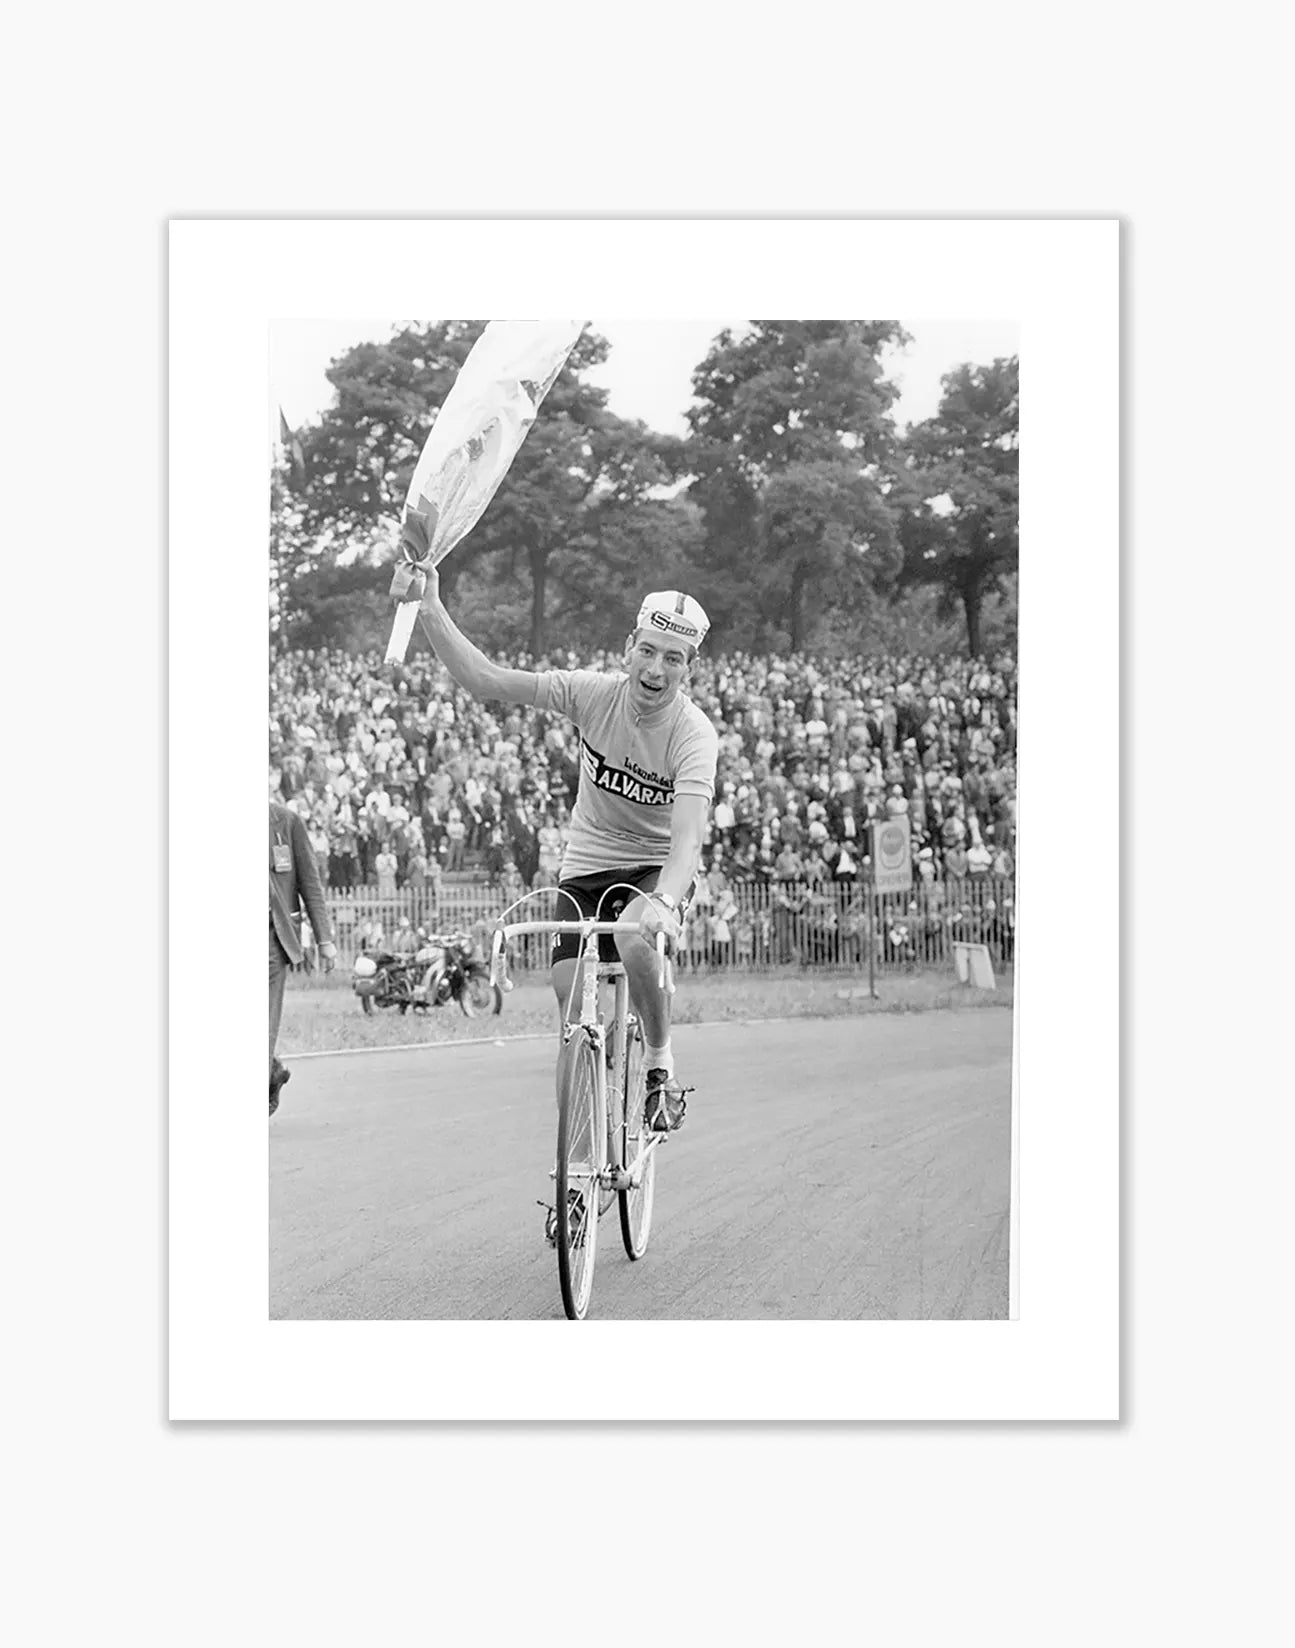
[[647, 778]]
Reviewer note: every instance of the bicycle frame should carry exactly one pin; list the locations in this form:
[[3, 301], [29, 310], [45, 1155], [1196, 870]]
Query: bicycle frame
[[591, 972]]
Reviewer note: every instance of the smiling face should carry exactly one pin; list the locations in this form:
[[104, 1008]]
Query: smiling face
[[658, 667]]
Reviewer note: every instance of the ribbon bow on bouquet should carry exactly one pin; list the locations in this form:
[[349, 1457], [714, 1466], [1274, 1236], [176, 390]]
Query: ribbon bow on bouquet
[[477, 433]]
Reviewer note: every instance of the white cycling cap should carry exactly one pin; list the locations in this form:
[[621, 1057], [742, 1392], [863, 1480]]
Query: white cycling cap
[[673, 613]]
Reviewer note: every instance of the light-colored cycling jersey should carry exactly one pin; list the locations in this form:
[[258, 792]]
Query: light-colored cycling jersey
[[631, 768]]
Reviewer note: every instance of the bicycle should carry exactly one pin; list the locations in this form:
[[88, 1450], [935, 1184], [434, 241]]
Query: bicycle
[[604, 1149]]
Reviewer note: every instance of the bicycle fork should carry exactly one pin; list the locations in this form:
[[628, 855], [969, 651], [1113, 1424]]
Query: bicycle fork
[[609, 1065]]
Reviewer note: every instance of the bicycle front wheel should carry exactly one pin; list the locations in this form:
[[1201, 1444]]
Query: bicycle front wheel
[[580, 1156], [636, 1204]]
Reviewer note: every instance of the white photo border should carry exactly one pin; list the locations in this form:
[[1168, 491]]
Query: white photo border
[[1059, 1358]]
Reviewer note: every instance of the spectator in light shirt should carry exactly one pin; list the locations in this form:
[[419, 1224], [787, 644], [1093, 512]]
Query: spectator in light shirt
[[385, 864], [979, 859], [456, 832], [724, 818]]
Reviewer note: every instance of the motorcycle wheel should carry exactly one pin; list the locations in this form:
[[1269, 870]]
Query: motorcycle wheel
[[477, 995], [366, 1002]]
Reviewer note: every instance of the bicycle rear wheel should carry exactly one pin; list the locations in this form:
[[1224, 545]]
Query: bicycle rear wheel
[[580, 1155], [636, 1204]]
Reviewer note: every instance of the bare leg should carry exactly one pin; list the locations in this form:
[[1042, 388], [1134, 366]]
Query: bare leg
[[650, 1002], [562, 975]]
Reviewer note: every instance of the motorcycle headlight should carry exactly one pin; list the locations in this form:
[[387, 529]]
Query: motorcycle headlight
[[365, 967]]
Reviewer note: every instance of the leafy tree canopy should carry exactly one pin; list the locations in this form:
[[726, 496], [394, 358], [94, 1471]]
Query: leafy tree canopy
[[793, 509], [793, 447], [578, 464], [959, 492], [794, 391]]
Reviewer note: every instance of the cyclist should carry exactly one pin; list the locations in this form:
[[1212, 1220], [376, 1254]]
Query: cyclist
[[647, 778]]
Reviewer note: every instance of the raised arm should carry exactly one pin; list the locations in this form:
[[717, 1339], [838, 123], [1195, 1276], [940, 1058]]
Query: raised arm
[[469, 666]]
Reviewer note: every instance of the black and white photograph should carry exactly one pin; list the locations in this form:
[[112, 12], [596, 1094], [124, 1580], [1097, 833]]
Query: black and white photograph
[[653, 709], [704, 630], [801, 494]]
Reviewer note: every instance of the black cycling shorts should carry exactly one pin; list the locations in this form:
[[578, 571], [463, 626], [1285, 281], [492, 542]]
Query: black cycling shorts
[[587, 890]]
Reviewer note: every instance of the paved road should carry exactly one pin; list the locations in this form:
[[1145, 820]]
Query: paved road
[[828, 1169]]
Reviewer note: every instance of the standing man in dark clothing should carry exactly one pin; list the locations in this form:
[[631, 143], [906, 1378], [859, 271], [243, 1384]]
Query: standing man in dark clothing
[[525, 843], [294, 885]]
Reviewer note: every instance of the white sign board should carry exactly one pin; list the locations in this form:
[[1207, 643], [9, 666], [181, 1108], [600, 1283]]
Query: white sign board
[[974, 965], [892, 856]]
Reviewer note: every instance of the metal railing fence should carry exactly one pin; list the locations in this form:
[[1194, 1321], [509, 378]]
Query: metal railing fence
[[753, 927]]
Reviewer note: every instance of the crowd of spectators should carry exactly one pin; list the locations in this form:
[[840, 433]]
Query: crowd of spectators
[[402, 778]]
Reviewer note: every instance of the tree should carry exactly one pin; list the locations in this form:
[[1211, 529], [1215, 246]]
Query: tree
[[339, 606], [290, 551], [828, 532], [960, 493], [793, 448], [792, 391], [576, 459], [597, 577], [629, 547], [359, 457]]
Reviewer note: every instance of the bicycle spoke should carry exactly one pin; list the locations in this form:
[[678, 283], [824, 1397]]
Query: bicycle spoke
[[584, 1155], [577, 1188], [636, 1203]]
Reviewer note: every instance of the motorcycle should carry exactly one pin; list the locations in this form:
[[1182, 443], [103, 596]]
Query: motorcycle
[[457, 972], [386, 980], [447, 968]]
